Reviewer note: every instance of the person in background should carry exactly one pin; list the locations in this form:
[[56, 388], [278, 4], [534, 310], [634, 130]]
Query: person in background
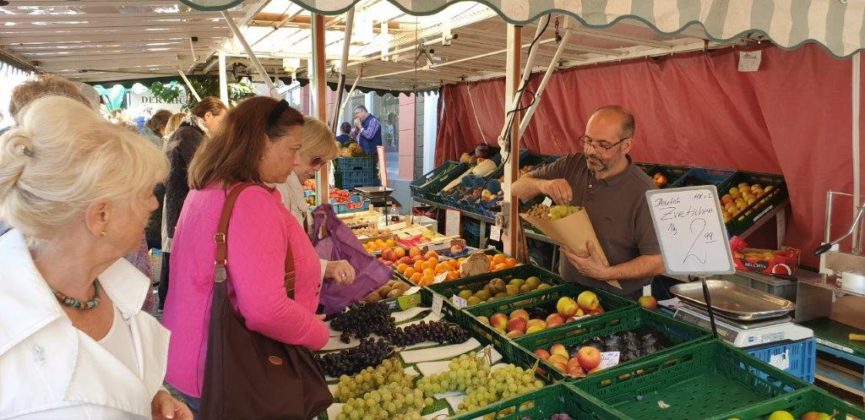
[[344, 137], [367, 129], [390, 130], [205, 119], [153, 131], [258, 144], [319, 147], [171, 126], [77, 191], [155, 127], [604, 180]]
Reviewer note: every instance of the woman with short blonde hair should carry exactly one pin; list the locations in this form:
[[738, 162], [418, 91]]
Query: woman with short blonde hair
[[77, 192]]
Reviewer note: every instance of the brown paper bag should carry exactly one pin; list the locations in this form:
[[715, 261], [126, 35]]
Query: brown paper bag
[[572, 232]]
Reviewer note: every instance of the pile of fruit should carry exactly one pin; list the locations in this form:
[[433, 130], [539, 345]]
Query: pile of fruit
[[538, 318], [351, 149], [498, 289], [586, 358], [740, 197], [476, 192], [376, 245], [811, 415], [423, 268], [338, 195], [309, 185], [392, 289], [556, 212]]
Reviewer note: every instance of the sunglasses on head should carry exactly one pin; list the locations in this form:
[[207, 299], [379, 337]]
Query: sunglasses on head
[[277, 111], [316, 161]]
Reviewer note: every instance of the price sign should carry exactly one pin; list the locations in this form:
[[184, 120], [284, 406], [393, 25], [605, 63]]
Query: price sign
[[452, 222], [496, 233], [437, 305], [459, 302], [609, 359], [690, 230]]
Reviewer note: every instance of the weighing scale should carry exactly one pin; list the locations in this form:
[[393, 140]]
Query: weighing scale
[[739, 333]]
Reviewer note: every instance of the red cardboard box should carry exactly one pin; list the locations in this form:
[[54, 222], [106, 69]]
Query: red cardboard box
[[782, 262]]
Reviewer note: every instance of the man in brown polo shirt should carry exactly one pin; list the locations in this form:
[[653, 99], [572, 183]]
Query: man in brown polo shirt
[[612, 189]]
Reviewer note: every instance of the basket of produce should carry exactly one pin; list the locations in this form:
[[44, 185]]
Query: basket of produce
[[588, 346], [397, 294], [494, 286], [426, 268], [429, 185], [747, 197], [552, 402], [700, 380], [664, 176], [807, 404]]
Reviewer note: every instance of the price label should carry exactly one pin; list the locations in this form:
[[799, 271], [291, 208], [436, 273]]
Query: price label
[[780, 361], [452, 222], [440, 278], [459, 302], [437, 305], [496, 233], [547, 201], [609, 359]]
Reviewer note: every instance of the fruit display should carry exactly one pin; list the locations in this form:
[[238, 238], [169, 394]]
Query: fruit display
[[442, 332], [539, 318], [477, 194], [578, 361], [648, 302], [556, 212], [740, 197], [392, 289], [363, 319], [351, 149], [394, 400], [370, 352], [423, 268], [497, 288], [390, 371], [377, 245]]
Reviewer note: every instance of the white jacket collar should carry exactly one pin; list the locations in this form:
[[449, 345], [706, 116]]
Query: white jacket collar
[[28, 303]]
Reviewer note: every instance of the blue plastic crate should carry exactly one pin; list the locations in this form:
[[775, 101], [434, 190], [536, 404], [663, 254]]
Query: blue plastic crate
[[703, 176], [346, 164], [340, 208], [801, 356], [349, 180]]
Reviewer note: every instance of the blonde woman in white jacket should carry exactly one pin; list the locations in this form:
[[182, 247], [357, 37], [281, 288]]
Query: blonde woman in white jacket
[[74, 344]]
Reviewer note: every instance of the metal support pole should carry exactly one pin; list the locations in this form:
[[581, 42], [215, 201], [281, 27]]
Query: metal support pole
[[318, 95], [223, 80], [550, 69], [344, 102], [512, 101], [412, 48], [255, 63], [189, 85], [857, 196], [511, 170], [346, 44]]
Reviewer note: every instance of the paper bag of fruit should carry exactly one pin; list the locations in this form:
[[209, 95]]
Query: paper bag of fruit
[[568, 225]]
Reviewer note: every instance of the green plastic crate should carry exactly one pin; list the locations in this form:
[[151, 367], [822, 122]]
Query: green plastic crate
[[763, 204], [430, 184], [610, 302], [678, 333], [450, 288], [700, 380], [673, 173], [539, 404], [800, 402]]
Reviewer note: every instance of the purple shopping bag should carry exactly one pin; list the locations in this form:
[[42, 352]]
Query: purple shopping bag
[[333, 240]]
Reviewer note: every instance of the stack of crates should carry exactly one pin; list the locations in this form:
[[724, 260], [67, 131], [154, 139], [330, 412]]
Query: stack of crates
[[355, 172]]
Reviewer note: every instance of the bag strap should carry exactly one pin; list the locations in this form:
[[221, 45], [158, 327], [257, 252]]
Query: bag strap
[[221, 239]]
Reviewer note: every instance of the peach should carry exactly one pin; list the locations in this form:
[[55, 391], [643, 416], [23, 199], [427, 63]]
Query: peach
[[554, 320], [535, 325], [518, 324], [588, 300], [648, 302], [589, 357], [560, 349], [514, 333], [566, 307], [542, 354], [520, 313], [499, 321]]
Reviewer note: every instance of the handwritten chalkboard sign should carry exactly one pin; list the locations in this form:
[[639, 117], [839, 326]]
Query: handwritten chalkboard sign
[[690, 230]]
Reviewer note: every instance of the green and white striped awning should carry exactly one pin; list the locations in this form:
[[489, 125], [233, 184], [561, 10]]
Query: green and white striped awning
[[836, 24]]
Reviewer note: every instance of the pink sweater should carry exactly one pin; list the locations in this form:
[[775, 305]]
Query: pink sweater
[[260, 231]]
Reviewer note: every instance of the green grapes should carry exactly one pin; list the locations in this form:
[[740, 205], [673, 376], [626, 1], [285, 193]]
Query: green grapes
[[503, 383], [394, 400], [464, 372], [389, 371], [562, 211]]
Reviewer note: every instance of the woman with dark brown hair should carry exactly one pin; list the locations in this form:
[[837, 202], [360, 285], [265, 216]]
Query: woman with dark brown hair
[[258, 144], [200, 124]]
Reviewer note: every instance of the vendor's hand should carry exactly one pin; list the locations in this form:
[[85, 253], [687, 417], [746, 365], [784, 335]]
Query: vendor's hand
[[358, 123], [340, 271], [590, 265], [559, 190], [164, 406]]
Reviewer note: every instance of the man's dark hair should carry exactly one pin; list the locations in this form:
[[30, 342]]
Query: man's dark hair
[[345, 127]]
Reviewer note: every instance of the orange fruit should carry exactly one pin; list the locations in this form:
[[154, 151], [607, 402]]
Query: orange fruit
[[434, 260], [499, 258], [427, 279], [500, 267], [416, 277], [429, 272], [442, 268], [427, 264], [401, 267], [511, 262], [418, 265], [453, 275], [409, 272]]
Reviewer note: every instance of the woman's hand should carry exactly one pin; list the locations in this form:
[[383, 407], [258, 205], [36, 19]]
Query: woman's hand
[[164, 406], [340, 271]]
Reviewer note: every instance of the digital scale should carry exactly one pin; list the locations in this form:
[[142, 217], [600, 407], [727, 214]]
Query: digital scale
[[742, 334]]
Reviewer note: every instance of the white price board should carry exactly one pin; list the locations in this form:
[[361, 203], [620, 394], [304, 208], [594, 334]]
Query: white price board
[[691, 232], [452, 222]]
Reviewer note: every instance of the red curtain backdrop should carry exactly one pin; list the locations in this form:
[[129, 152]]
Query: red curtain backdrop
[[792, 117]]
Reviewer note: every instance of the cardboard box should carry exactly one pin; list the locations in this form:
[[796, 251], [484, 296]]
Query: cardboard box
[[783, 262]]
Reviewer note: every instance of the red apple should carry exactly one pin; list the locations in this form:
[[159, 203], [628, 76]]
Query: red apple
[[597, 311], [406, 260], [499, 321], [518, 324], [554, 320], [566, 307], [399, 252], [520, 313], [456, 249], [648, 302], [588, 300], [542, 354], [589, 357], [514, 333]]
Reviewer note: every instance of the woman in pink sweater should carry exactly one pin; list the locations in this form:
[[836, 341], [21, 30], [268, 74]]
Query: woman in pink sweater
[[257, 143]]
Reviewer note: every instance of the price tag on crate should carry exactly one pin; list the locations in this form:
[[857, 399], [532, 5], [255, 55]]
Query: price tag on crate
[[496, 233], [459, 302], [609, 359], [452, 222], [437, 302]]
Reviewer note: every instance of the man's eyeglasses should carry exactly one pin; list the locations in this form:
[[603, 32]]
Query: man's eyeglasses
[[587, 141]]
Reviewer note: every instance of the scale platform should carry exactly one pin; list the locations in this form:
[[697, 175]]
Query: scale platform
[[740, 333]]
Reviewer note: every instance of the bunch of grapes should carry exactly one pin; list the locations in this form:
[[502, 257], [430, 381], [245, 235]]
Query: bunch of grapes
[[464, 372], [394, 400], [362, 320], [562, 211], [503, 383], [441, 332], [388, 372], [370, 352]]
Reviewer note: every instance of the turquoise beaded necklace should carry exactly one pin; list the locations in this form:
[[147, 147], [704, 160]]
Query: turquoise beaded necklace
[[77, 304]]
